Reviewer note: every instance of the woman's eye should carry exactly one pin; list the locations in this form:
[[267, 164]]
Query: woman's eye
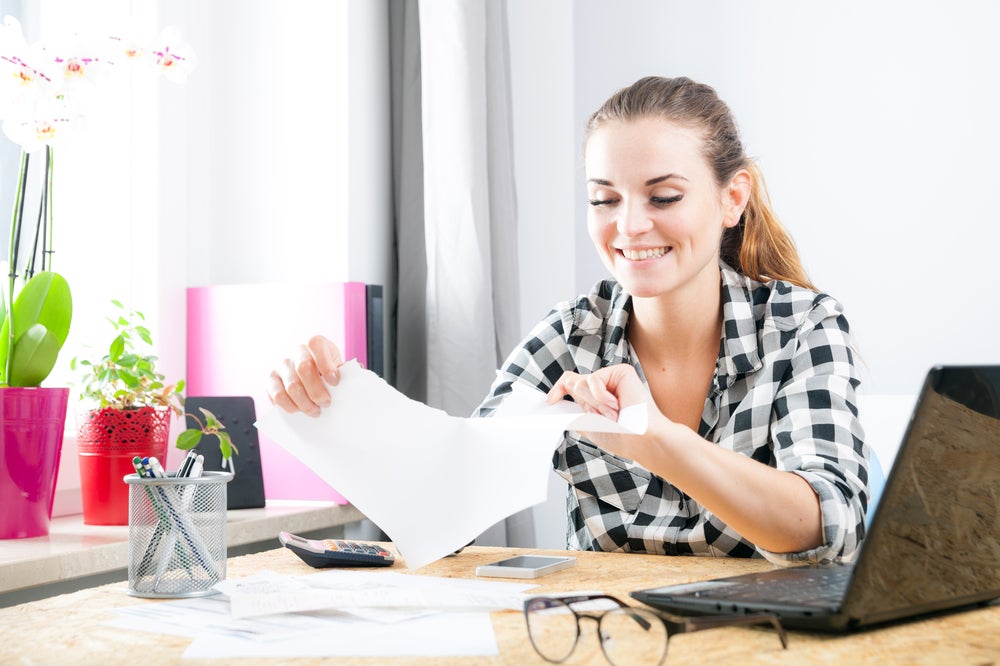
[[664, 201], [602, 202]]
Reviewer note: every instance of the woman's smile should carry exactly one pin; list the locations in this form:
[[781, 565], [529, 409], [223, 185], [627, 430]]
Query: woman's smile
[[644, 254]]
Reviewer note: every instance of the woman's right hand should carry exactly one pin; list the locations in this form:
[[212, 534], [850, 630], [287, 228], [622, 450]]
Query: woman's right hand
[[297, 384]]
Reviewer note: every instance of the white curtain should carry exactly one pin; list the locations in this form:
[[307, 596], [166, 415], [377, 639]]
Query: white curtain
[[458, 313], [468, 198]]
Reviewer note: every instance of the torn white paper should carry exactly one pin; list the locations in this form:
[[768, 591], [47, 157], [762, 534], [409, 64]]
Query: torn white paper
[[434, 482]]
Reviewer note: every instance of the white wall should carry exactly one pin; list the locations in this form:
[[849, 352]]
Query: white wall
[[874, 126]]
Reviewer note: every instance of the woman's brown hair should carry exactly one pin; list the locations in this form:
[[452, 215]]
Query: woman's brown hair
[[759, 246]]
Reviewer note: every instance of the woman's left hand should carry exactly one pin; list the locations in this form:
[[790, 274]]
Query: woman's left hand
[[607, 392]]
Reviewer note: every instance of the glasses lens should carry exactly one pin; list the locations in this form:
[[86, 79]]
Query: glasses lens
[[633, 636], [552, 627]]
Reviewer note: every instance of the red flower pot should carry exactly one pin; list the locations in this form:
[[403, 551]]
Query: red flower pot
[[107, 441]]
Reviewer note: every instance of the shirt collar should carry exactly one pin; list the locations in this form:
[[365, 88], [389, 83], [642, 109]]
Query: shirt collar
[[738, 353]]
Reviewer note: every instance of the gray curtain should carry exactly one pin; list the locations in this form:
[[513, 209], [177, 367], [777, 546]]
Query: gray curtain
[[457, 310]]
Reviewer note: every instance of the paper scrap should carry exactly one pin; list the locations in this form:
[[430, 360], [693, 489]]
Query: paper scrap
[[434, 482]]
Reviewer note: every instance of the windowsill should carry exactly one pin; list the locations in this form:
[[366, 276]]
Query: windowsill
[[74, 550]]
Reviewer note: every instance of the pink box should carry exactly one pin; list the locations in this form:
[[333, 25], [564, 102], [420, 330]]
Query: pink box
[[237, 334]]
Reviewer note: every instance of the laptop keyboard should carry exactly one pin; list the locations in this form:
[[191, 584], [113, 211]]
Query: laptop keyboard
[[815, 587]]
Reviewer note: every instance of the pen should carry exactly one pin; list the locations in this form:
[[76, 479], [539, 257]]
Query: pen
[[180, 520], [185, 468], [194, 471], [161, 525], [198, 467], [157, 468]]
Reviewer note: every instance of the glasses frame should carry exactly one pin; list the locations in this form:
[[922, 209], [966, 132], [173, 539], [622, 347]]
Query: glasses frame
[[671, 623]]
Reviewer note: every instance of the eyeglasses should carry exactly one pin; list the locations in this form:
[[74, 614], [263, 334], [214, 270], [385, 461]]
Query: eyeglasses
[[629, 635]]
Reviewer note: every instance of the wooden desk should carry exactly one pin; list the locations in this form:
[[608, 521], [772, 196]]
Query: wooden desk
[[74, 551], [67, 630]]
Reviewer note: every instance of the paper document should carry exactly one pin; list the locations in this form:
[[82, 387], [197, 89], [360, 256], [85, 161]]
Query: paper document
[[434, 482], [374, 633], [367, 593]]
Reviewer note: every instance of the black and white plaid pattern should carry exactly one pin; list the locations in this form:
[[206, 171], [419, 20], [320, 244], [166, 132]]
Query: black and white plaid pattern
[[783, 394]]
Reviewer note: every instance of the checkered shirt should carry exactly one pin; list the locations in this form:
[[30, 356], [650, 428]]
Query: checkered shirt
[[783, 394]]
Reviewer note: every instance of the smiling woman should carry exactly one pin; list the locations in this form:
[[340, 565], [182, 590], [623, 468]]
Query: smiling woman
[[753, 448]]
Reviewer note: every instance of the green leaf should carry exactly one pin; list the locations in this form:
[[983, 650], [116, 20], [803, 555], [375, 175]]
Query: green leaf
[[128, 359], [188, 439], [117, 347], [210, 419], [130, 380], [35, 355], [180, 386], [144, 334], [44, 301], [225, 445], [117, 304]]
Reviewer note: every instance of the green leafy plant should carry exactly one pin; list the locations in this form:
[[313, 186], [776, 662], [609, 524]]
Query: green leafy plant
[[212, 427], [125, 378], [36, 320]]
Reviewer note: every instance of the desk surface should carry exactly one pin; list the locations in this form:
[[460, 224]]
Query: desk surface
[[72, 549], [66, 629]]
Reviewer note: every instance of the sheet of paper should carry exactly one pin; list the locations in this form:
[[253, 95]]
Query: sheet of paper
[[433, 482], [374, 632], [356, 592], [437, 635]]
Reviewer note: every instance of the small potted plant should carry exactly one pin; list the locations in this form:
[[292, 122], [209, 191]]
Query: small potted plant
[[128, 415], [209, 425]]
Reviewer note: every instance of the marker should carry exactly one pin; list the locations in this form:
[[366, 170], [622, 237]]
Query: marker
[[197, 467], [185, 468], [137, 464], [157, 468]]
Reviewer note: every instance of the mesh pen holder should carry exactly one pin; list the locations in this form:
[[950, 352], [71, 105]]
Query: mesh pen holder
[[176, 535]]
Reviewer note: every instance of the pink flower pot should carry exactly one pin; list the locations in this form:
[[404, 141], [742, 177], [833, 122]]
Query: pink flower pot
[[32, 422]]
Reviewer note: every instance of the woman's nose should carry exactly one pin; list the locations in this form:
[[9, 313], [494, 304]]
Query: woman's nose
[[633, 219]]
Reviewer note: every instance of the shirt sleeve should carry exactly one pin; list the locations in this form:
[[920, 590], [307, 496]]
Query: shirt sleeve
[[816, 433], [540, 359]]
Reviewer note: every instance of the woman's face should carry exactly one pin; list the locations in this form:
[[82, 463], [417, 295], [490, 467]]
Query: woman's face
[[656, 214]]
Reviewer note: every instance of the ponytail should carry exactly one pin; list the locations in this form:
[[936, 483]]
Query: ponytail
[[759, 246]]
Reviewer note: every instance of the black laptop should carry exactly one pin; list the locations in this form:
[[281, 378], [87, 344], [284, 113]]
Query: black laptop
[[934, 541]]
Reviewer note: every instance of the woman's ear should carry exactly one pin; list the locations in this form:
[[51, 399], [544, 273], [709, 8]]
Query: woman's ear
[[735, 197]]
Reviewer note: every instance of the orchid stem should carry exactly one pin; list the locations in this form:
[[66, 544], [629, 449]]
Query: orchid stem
[[49, 243], [15, 234]]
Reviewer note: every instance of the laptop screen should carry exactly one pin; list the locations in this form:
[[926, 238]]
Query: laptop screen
[[935, 538]]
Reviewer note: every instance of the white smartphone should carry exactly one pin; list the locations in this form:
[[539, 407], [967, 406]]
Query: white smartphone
[[525, 566]]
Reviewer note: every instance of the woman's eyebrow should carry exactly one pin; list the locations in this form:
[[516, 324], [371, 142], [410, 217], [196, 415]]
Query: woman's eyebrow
[[651, 181], [660, 179]]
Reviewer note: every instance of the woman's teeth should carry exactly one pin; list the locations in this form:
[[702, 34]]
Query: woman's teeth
[[638, 255]]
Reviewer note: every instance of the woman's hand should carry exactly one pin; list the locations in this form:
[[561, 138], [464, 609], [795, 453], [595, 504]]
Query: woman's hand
[[296, 385], [607, 392]]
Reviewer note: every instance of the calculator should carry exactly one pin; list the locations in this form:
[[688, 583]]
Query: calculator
[[336, 553]]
